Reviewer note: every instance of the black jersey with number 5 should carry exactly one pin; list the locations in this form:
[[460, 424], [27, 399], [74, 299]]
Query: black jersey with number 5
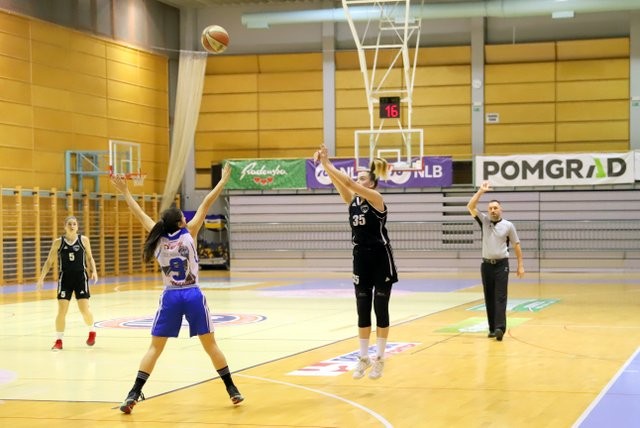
[[367, 224], [71, 257]]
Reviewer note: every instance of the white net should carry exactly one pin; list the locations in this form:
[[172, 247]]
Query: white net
[[138, 179]]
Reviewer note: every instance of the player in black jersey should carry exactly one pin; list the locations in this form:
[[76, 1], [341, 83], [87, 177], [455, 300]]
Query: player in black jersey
[[74, 260], [374, 270]]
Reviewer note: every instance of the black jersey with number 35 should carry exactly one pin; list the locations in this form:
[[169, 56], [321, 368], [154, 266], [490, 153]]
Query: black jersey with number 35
[[71, 257], [367, 224]]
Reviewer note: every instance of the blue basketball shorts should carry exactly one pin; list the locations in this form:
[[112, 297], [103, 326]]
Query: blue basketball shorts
[[176, 303]]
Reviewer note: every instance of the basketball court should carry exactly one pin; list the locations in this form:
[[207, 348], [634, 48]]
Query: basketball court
[[290, 340]]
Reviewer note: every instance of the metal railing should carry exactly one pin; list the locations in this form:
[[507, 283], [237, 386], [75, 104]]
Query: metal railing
[[539, 236]]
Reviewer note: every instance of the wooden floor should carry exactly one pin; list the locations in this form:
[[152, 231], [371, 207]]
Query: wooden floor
[[290, 339]]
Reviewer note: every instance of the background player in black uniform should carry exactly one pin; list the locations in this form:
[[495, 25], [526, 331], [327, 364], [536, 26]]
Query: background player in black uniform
[[74, 259], [374, 270]]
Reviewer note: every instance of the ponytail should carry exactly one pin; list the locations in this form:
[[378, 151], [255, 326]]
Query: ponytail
[[168, 223], [379, 168]]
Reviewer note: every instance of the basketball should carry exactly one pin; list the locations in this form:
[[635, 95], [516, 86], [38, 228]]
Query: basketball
[[215, 39]]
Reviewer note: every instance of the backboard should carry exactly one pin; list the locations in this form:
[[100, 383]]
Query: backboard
[[403, 149]]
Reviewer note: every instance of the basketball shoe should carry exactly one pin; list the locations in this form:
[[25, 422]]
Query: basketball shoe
[[234, 394], [131, 400], [91, 340], [376, 370], [57, 346], [363, 364]]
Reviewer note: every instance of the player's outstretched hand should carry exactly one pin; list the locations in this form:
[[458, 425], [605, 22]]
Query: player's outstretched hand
[[120, 183]]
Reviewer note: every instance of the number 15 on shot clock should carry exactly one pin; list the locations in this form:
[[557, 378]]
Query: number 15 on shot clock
[[389, 107]]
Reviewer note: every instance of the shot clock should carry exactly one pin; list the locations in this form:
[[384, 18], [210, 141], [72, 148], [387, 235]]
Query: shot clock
[[389, 107]]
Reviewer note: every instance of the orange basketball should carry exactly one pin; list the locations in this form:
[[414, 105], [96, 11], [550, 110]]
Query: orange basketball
[[215, 39]]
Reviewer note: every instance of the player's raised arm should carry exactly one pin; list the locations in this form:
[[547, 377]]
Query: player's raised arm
[[121, 184]]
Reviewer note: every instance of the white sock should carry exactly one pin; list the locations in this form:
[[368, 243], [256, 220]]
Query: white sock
[[59, 334], [381, 344], [364, 347]]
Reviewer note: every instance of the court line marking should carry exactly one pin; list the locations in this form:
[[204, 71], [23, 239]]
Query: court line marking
[[380, 418], [605, 390]]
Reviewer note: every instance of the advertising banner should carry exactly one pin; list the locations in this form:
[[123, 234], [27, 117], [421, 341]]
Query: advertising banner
[[555, 169], [437, 171], [264, 174]]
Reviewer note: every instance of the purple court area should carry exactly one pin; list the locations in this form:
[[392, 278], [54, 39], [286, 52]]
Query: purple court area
[[413, 285], [618, 405]]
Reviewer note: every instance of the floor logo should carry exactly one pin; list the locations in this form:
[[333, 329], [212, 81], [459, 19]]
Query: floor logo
[[477, 325], [145, 322], [522, 305], [347, 362]]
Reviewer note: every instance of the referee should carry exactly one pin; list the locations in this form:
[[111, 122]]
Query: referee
[[497, 235]]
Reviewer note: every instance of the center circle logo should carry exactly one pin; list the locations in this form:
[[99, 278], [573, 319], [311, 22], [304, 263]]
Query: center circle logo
[[145, 322]]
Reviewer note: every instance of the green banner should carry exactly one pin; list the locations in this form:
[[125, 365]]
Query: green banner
[[265, 174]]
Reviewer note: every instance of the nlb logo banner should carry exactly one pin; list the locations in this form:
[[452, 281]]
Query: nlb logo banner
[[437, 171], [555, 169]]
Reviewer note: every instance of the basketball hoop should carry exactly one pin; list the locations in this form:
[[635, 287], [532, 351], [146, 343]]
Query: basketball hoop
[[137, 178], [400, 166]]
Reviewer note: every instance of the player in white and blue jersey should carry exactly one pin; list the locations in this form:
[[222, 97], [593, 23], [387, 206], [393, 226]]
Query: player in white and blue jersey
[[171, 241]]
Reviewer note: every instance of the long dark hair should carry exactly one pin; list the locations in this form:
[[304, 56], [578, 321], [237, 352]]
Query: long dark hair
[[168, 223]]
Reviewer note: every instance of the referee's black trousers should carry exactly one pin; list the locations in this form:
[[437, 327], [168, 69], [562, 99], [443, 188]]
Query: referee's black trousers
[[495, 278]]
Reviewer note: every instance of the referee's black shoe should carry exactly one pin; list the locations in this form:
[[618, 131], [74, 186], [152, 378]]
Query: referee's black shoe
[[499, 333], [491, 334]]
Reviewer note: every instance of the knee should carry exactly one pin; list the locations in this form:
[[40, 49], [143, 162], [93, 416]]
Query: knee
[[381, 305]]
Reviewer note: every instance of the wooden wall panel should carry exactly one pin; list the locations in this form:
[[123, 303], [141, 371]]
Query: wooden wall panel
[[300, 119], [285, 82], [15, 91], [304, 139], [521, 52], [589, 146], [441, 115], [54, 120], [91, 85], [15, 114], [53, 98], [13, 24], [227, 140], [522, 148], [520, 73], [14, 46], [520, 133], [600, 48], [216, 103], [232, 64], [240, 121], [230, 84], [349, 79], [523, 113], [593, 90], [282, 101], [608, 69], [14, 136], [279, 63], [594, 131], [90, 125], [15, 69], [520, 93], [441, 95], [351, 98], [446, 75], [584, 111], [443, 55]]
